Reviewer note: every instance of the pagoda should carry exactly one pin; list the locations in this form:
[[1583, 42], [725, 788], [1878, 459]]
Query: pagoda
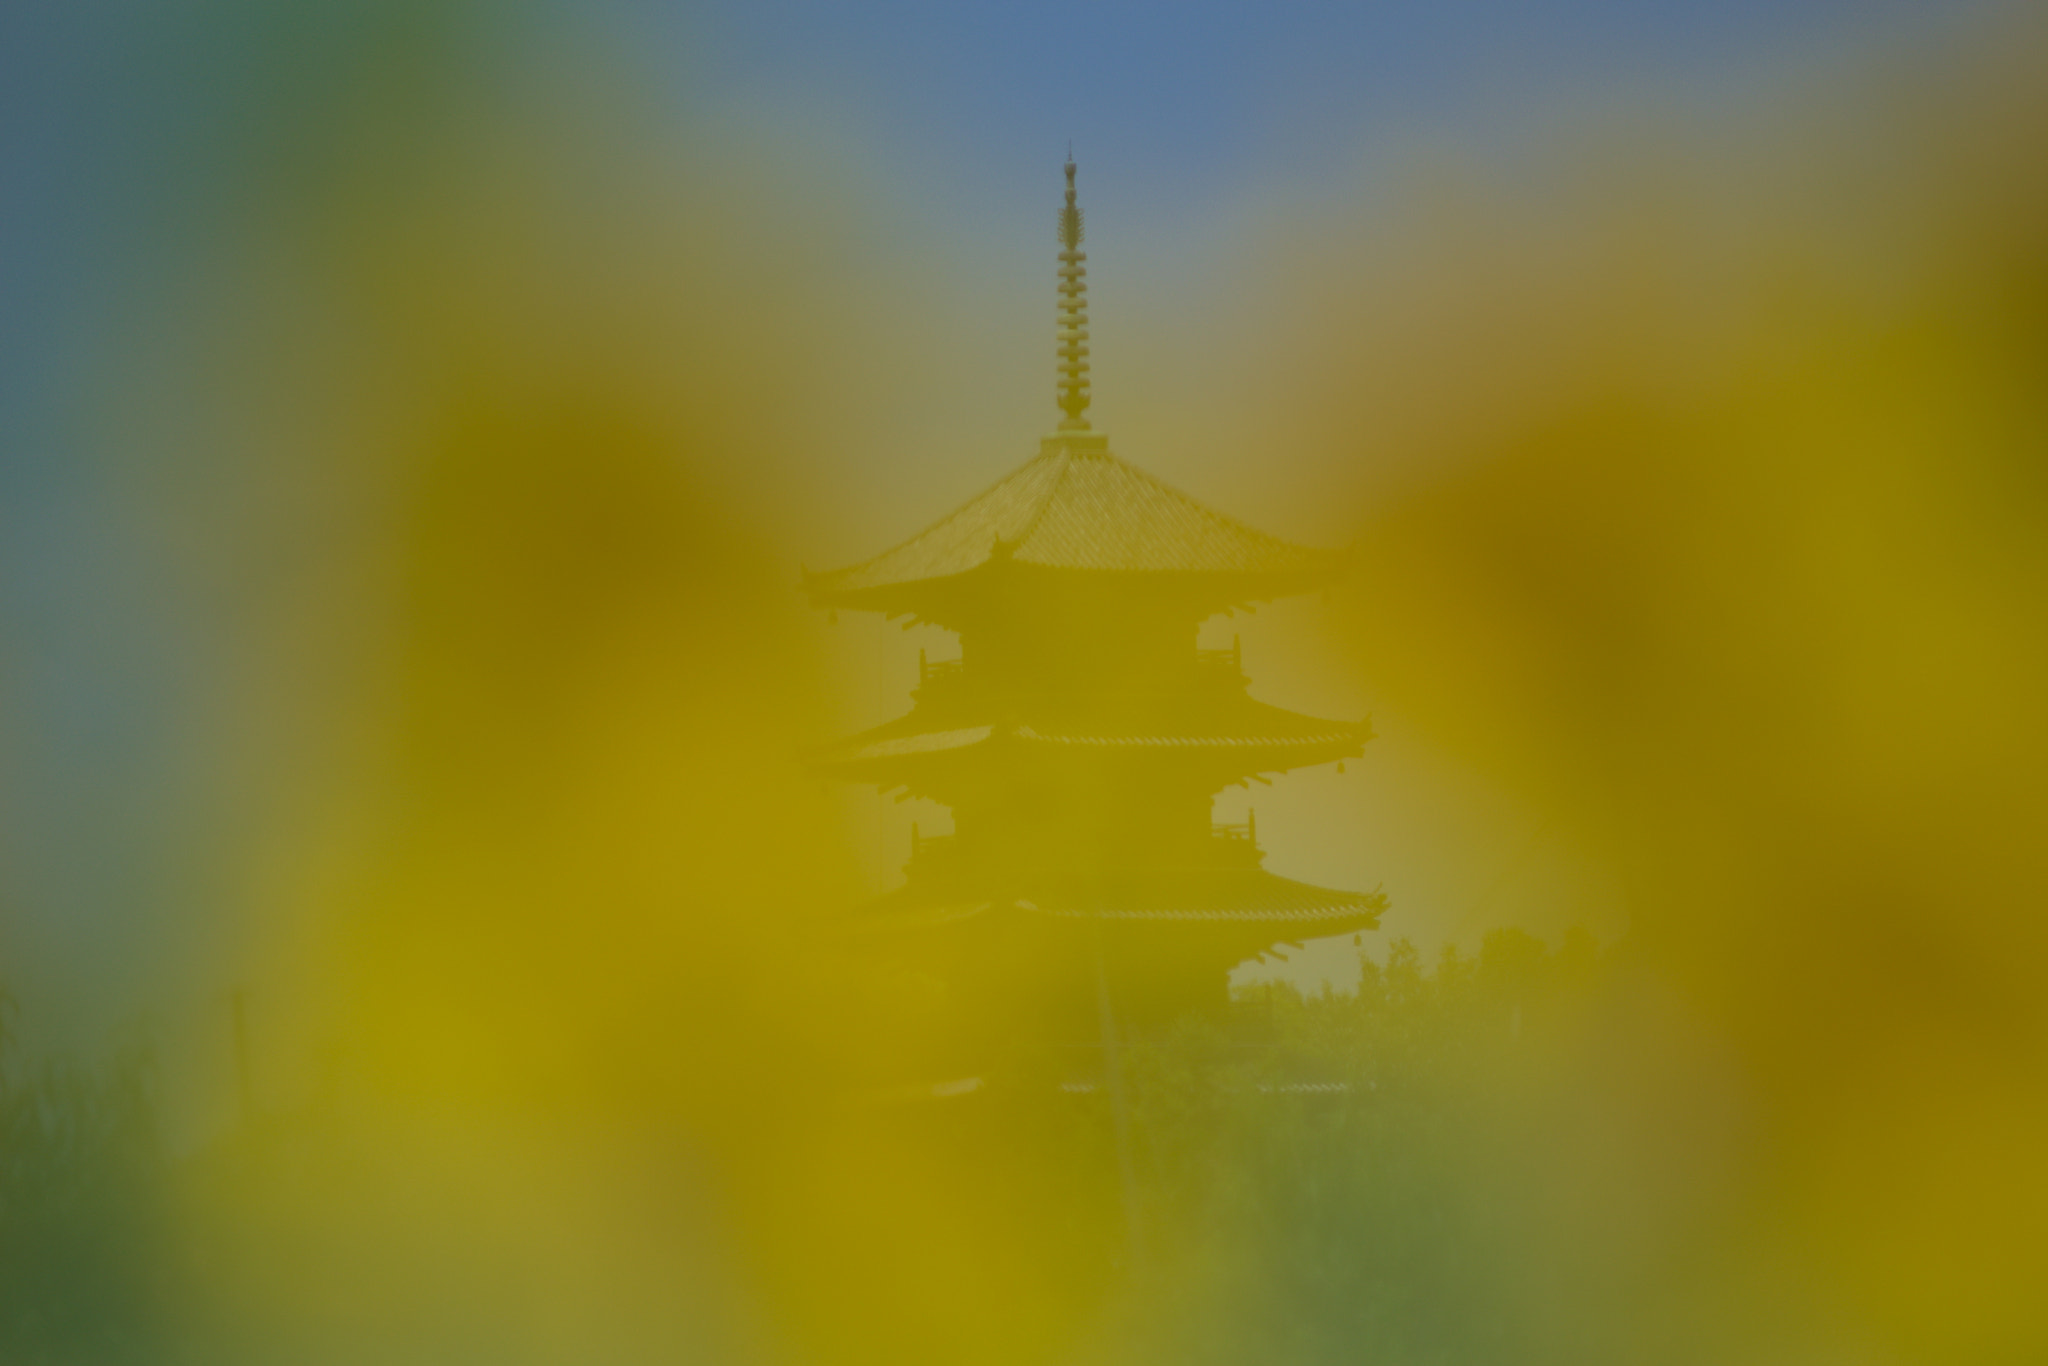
[[1081, 739]]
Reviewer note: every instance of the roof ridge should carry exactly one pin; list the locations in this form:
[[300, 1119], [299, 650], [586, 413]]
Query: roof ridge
[[1052, 492], [1076, 504], [958, 512], [1198, 505]]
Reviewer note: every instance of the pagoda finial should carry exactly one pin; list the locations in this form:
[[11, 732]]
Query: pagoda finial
[[1073, 350]]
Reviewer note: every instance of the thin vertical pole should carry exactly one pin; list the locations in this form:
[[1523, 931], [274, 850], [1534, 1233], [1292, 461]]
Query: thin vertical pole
[[1119, 1109]]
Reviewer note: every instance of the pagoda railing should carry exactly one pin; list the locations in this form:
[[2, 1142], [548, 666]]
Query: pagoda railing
[[1222, 665], [1228, 662], [938, 670], [928, 846], [1238, 842], [1242, 836]]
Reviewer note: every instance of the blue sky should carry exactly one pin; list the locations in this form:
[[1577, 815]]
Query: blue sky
[[1188, 101], [131, 135]]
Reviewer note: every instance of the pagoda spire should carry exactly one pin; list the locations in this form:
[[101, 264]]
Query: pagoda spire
[[1073, 349]]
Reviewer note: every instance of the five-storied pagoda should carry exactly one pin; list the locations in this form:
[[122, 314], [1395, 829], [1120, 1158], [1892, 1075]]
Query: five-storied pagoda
[[1080, 739]]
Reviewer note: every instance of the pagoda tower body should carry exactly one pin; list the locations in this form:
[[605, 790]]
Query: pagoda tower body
[[1081, 739]]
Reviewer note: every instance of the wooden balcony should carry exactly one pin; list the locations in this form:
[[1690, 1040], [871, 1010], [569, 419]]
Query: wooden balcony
[[1212, 667], [940, 671], [1226, 845], [1227, 663], [1246, 832]]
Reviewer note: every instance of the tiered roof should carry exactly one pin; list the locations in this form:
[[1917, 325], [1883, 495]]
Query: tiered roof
[[1246, 896], [1265, 738], [1078, 528], [1076, 506]]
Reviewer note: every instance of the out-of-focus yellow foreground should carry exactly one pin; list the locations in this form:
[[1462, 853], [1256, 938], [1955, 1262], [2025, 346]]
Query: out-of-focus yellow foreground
[[1720, 535]]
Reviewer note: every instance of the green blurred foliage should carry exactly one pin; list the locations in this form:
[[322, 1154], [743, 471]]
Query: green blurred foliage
[[80, 1209], [1321, 1175], [1315, 1178], [1720, 541]]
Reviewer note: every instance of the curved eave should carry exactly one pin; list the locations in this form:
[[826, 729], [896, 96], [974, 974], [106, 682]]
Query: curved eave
[[948, 599], [906, 758], [836, 590], [1349, 739], [1259, 901]]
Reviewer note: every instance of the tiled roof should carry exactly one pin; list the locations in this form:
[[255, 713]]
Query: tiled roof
[[1247, 896], [1076, 506], [895, 746], [1250, 894], [1320, 733], [1235, 723]]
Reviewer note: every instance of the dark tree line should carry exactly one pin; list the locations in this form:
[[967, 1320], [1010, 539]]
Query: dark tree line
[[1330, 1177], [1335, 1177]]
